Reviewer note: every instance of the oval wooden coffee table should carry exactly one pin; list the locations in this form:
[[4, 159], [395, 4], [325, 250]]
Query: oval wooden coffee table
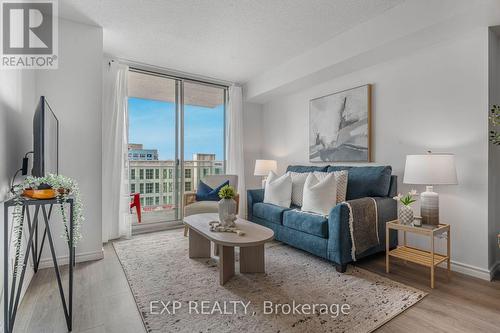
[[251, 244]]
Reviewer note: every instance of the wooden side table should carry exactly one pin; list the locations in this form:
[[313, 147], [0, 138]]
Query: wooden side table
[[425, 258]]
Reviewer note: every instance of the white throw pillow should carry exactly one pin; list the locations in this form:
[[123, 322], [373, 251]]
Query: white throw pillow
[[278, 190], [341, 179], [298, 181], [320, 195]]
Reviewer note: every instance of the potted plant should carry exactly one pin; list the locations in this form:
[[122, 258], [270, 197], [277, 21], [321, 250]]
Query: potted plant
[[405, 215], [227, 206], [48, 187], [495, 123]]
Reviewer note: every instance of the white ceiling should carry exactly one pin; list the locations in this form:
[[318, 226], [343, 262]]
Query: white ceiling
[[224, 39]]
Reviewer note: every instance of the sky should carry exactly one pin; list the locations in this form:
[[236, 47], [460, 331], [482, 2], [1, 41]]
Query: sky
[[152, 123]]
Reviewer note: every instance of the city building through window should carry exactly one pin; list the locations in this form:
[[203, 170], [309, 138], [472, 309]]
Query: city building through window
[[159, 153]]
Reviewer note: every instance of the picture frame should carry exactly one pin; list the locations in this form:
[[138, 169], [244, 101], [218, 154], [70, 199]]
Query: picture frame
[[340, 127]]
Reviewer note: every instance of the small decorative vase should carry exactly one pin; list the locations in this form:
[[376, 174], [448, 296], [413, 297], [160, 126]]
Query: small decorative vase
[[405, 215], [227, 212]]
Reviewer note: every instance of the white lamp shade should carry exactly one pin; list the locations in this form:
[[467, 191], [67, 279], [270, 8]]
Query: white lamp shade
[[430, 169], [262, 167]]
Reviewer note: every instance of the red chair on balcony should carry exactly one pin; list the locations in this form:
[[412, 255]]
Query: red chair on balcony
[[136, 202]]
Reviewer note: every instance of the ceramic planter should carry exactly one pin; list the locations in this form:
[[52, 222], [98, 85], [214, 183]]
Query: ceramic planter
[[227, 212], [405, 214]]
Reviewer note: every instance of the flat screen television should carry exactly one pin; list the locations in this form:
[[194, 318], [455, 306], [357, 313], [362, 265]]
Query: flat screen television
[[45, 140]]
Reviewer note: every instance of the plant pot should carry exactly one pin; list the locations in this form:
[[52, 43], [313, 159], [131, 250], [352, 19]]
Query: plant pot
[[405, 214], [227, 212]]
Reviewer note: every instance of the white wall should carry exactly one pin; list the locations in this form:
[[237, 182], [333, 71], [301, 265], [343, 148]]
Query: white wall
[[494, 151], [435, 99], [74, 92], [401, 31], [17, 103]]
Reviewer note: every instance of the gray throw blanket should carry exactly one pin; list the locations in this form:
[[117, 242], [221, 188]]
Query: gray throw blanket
[[363, 224]]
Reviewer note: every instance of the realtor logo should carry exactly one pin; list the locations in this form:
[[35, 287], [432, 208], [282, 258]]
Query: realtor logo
[[29, 34]]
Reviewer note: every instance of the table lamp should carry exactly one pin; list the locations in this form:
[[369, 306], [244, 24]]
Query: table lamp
[[262, 168], [430, 169]]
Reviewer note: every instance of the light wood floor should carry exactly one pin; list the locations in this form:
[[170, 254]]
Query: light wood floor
[[465, 304], [103, 301]]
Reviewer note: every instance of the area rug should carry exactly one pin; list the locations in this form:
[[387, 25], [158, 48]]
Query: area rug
[[298, 293]]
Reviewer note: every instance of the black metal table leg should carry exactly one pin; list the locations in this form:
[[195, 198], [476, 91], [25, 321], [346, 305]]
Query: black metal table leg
[[71, 265], [32, 224], [6, 269], [12, 297], [29, 248], [56, 266], [16, 262]]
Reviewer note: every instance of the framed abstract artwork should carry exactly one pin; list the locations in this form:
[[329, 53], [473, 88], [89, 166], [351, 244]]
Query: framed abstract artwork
[[340, 126]]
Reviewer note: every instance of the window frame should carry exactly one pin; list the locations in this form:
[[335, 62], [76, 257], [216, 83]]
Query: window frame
[[175, 173]]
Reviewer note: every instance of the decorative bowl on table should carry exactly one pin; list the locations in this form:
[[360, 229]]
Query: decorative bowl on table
[[40, 194], [44, 193]]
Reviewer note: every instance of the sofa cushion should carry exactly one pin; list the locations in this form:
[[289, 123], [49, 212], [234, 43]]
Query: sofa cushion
[[320, 193], [309, 223], [306, 168], [366, 181], [278, 190], [269, 212], [200, 207], [298, 181], [340, 178]]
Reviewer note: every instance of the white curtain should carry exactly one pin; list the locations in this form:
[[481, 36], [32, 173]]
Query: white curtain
[[116, 217], [234, 143]]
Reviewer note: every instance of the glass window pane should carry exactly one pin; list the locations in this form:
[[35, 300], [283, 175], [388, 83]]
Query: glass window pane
[[152, 139], [203, 131]]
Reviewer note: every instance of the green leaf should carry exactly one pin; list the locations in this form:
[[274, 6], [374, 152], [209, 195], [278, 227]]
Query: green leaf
[[227, 192]]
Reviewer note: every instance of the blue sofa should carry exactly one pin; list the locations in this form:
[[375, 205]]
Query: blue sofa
[[329, 237]]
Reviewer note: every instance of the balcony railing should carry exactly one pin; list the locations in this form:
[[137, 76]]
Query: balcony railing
[[158, 207]]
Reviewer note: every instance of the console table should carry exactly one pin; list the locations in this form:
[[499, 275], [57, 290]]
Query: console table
[[11, 300]]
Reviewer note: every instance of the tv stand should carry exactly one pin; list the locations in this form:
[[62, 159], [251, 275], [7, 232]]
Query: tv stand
[[11, 300]]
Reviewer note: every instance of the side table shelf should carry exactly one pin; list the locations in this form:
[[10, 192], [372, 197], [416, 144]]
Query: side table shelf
[[422, 257]]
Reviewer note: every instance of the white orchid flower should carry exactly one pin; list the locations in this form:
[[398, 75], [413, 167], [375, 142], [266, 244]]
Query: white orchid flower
[[413, 192], [398, 197]]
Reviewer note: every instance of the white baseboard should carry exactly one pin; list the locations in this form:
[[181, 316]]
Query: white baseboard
[[470, 270], [80, 257]]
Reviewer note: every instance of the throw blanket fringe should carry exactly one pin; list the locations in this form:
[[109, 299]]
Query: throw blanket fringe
[[367, 240], [351, 229]]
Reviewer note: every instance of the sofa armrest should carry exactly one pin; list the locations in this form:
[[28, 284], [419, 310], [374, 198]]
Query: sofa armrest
[[253, 196], [387, 209], [339, 234], [189, 198]]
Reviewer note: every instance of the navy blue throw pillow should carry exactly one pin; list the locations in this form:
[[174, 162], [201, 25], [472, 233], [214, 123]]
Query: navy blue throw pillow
[[206, 193]]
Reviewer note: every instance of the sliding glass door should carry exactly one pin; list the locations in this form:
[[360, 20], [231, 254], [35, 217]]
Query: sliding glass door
[[176, 138], [203, 132]]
